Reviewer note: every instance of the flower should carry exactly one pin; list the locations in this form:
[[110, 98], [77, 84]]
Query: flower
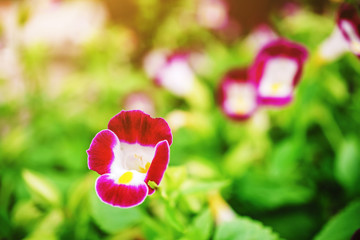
[[172, 71], [64, 25], [259, 37], [237, 94], [212, 14], [348, 21], [139, 101], [276, 71], [131, 152], [333, 47]]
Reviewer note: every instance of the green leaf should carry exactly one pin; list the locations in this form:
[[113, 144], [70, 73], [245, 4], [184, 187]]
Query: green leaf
[[154, 229], [41, 188], [173, 217], [112, 219], [343, 225], [347, 165], [48, 226], [26, 214], [284, 160], [201, 226], [197, 186], [243, 228], [278, 191]]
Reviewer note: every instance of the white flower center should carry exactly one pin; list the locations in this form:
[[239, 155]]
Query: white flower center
[[240, 98], [278, 77], [132, 161]]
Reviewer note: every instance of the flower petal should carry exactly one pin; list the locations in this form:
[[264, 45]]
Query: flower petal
[[158, 164], [120, 195], [138, 127], [104, 149]]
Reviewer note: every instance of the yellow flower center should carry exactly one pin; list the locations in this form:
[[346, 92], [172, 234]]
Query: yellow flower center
[[240, 106], [125, 178], [355, 46], [146, 168], [275, 87]]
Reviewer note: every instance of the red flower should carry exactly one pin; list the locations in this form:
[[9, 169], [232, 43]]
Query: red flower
[[132, 152]]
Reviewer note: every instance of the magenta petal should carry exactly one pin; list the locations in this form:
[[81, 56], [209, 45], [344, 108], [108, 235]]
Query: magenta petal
[[137, 127], [349, 13], [120, 195], [101, 152], [159, 164], [276, 101]]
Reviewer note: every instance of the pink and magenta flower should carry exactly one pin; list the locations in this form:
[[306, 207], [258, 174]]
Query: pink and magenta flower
[[171, 71], [277, 70], [237, 94], [133, 151], [348, 21]]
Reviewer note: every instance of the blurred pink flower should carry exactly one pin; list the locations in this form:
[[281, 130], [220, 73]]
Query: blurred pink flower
[[290, 9], [139, 101], [237, 94], [259, 37], [348, 21], [276, 71], [133, 151], [212, 14], [171, 71]]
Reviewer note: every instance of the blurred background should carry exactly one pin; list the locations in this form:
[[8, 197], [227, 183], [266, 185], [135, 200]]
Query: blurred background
[[67, 67]]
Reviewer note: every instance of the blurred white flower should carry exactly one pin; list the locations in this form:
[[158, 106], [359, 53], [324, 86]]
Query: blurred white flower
[[154, 60], [177, 119], [333, 47], [63, 26], [11, 73], [171, 71]]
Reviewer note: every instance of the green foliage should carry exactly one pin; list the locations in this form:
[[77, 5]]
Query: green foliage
[[201, 226], [245, 229], [110, 219], [347, 165], [286, 170], [343, 224]]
